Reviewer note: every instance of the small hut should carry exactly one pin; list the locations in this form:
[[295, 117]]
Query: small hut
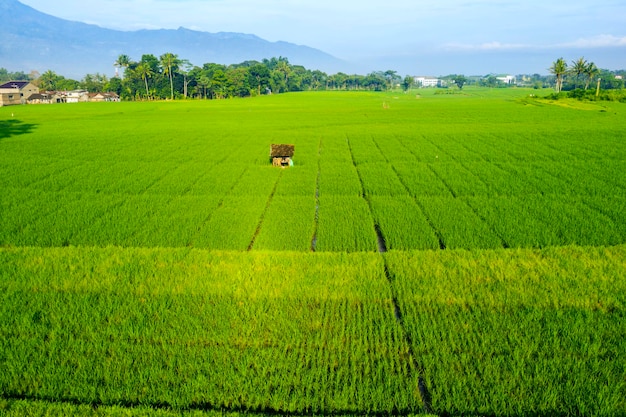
[[281, 155]]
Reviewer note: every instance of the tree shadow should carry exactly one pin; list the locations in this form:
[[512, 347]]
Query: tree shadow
[[14, 127]]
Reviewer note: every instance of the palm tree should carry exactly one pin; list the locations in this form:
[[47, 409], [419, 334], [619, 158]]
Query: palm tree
[[579, 67], [48, 81], [590, 71], [123, 61], [170, 62], [185, 70], [284, 67], [145, 72], [559, 68]]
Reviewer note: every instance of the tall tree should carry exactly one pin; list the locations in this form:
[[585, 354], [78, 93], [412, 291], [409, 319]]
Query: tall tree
[[219, 84], [145, 71], [559, 69], [392, 78], [284, 67], [122, 61], [48, 81], [185, 69], [590, 72], [578, 68], [169, 63], [259, 77], [204, 81], [460, 81], [94, 82], [407, 83]]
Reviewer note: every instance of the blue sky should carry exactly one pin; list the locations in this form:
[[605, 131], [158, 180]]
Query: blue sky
[[411, 36]]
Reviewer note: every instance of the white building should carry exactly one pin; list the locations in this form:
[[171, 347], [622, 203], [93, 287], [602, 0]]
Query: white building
[[427, 81], [77, 96], [507, 79]]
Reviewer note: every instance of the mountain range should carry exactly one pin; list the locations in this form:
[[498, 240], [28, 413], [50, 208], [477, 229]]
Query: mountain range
[[32, 40]]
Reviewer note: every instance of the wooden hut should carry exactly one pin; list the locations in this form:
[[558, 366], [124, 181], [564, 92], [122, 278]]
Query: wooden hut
[[281, 155]]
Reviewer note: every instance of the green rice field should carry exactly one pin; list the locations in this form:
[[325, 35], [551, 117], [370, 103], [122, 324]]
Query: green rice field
[[446, 254]]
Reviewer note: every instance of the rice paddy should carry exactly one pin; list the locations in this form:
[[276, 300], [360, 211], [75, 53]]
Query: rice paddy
[[153, 262]]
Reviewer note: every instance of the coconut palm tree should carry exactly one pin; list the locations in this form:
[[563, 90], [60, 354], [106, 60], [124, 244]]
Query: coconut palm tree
[[590, 71], [145, 72], [283, 66], [48, 81], [185, 70], [123, 61], [578, 68], [169, 63], [559, 69]]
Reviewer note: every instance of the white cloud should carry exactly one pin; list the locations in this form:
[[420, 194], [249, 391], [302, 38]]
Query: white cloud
[[600, 41], [487, 46]]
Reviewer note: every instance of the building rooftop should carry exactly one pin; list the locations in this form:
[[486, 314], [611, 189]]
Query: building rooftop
[[15, 84]]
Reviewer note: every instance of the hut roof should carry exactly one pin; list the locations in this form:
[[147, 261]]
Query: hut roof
[[281, 150]]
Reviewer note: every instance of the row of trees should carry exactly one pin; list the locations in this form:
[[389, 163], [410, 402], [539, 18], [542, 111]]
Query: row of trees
[[580, 68], [171, 77]]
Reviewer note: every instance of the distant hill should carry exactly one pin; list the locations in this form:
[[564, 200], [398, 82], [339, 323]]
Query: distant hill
[[31, 40]]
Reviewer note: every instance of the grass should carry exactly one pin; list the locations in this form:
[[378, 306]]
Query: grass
[[153, 263]]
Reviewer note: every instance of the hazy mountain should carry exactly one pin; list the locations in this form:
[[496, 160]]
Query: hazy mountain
[[31, 40]]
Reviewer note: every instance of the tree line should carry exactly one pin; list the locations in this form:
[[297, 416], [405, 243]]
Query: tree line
[[170, 77], [582, 74]]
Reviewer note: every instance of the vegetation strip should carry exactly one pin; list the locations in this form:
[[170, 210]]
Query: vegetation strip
[[128, 315], [220, 328]]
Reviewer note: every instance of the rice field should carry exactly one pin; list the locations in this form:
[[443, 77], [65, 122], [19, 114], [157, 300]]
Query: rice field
[[449, 255]]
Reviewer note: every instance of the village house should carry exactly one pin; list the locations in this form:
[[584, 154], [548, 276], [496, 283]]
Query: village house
[[100, 97], [77, 96], [41, 98], [16, 92]]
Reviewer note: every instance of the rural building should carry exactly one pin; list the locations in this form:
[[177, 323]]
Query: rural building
[[507, 79], [77, 96], [16, 92], [100, 97], [427, 82], [281, 155], [41, 98]]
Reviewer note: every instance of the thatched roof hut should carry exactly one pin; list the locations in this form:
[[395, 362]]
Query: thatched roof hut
[[281, 155]]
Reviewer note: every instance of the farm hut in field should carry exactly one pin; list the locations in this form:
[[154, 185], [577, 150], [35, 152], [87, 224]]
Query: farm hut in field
[[281, 155]]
